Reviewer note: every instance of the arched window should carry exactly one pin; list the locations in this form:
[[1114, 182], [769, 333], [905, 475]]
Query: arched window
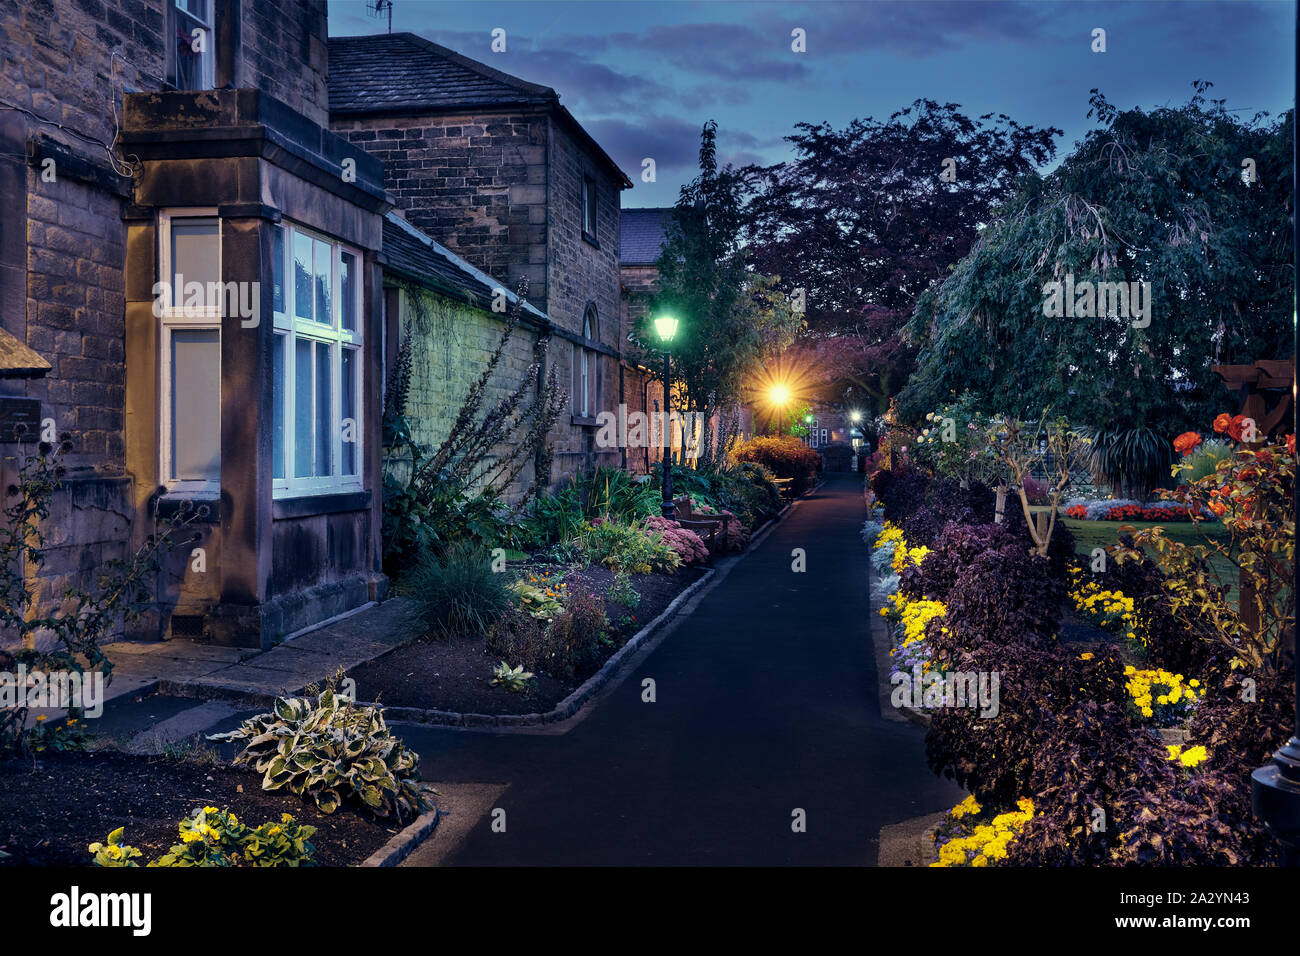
[[585, 381]]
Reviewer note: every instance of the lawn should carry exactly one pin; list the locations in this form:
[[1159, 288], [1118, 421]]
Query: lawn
[[1100, 534]]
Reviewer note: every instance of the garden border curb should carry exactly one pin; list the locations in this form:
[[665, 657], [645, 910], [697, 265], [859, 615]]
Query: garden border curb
[[565, 708], [399, 847], [570, 709]]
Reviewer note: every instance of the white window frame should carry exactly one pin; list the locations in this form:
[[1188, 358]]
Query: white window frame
[[589, 205], [585, 359], [207, 78], [288, 324], [171, 318]]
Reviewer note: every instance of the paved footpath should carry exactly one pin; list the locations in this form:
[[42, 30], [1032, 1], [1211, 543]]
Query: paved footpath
[[767, 702]]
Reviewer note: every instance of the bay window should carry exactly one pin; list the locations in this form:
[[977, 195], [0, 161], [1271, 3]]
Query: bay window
[[316, 364]]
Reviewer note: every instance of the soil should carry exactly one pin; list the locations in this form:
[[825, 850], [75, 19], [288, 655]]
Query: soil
[[452, 674], [53, 807]]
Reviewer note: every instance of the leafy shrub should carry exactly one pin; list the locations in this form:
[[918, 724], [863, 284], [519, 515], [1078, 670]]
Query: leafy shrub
[[1131, 461], [951, 552], [994, 588], [946, 500], [212, 837], [622, 592], [900, 491], [755, 497], [785, 456], [329, 750], [548, 520], [459, 593], [514, 679], [622, 547], [690, 547], [612, 493], [578, 634], [571, 644], [1204, 460], [539, 594]]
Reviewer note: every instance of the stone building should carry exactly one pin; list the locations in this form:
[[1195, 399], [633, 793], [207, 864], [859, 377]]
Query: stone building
[[499, 170], [195, 256], [213, 240]]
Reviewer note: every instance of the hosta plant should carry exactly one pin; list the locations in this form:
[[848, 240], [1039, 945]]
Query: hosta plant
[[511, 678], [329, 750]]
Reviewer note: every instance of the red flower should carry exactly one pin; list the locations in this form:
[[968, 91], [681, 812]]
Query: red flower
[[1221, 422], [1237, 427], [1218, 507], [1290, 444], [1186, 442]]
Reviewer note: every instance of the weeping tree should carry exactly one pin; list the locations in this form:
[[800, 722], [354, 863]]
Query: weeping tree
[[1107, 289]]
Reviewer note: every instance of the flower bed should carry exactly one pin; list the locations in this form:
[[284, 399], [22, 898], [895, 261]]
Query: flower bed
[[1082, 731], [52, 808], [1126, 509]]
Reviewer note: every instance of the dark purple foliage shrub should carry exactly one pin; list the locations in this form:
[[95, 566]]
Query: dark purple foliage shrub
[[946, 500], [901, 491], [951, 552], [1187, 825], [1089, 756], [1005, 595]]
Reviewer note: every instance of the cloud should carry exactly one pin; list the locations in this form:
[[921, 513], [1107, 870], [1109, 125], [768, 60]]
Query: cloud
[[671, 142]]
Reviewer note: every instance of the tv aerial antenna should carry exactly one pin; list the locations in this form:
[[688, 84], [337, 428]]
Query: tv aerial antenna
[[377, 8]]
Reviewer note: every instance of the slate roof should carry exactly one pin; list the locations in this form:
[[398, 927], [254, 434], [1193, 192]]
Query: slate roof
[[404, 73], [409, 252], [642, 235], [18, 361]]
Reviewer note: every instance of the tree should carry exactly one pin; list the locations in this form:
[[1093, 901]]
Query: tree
[[866, 217], [1108, 288], [730, 316]]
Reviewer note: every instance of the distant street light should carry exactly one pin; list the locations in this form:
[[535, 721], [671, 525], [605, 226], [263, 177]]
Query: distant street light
[[666, 327]]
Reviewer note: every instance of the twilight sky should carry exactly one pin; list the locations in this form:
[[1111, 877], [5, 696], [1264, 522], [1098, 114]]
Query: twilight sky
[[642, 77]]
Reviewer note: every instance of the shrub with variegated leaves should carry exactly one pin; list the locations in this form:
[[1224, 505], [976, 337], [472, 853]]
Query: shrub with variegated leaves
[[330, 750]]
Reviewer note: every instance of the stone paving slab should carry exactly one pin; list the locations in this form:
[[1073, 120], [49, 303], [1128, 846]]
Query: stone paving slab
[[306, 659], [187, 723]]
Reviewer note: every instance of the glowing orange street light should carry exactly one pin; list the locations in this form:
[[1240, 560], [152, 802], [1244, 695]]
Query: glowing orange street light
[[779, 396]]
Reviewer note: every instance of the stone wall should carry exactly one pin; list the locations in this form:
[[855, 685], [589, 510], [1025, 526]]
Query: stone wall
[[474, 182], [454, 342]]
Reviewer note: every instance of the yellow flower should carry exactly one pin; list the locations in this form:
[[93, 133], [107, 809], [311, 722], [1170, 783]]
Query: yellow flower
[[1194, 755], [1086, 656]]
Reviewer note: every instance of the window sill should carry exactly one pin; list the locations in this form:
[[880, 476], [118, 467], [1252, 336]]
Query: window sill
[[589, 239], [583, 421], [171, 503], [305, 506]]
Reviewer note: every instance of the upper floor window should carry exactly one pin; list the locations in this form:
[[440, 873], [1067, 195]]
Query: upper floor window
[[589, 208], [316, 358], [193, 53]]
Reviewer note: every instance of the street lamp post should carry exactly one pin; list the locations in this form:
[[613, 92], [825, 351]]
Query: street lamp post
[[666, 327]]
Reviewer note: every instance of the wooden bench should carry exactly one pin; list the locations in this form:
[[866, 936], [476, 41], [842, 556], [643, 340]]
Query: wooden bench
[[785, 486], [706, 526]]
